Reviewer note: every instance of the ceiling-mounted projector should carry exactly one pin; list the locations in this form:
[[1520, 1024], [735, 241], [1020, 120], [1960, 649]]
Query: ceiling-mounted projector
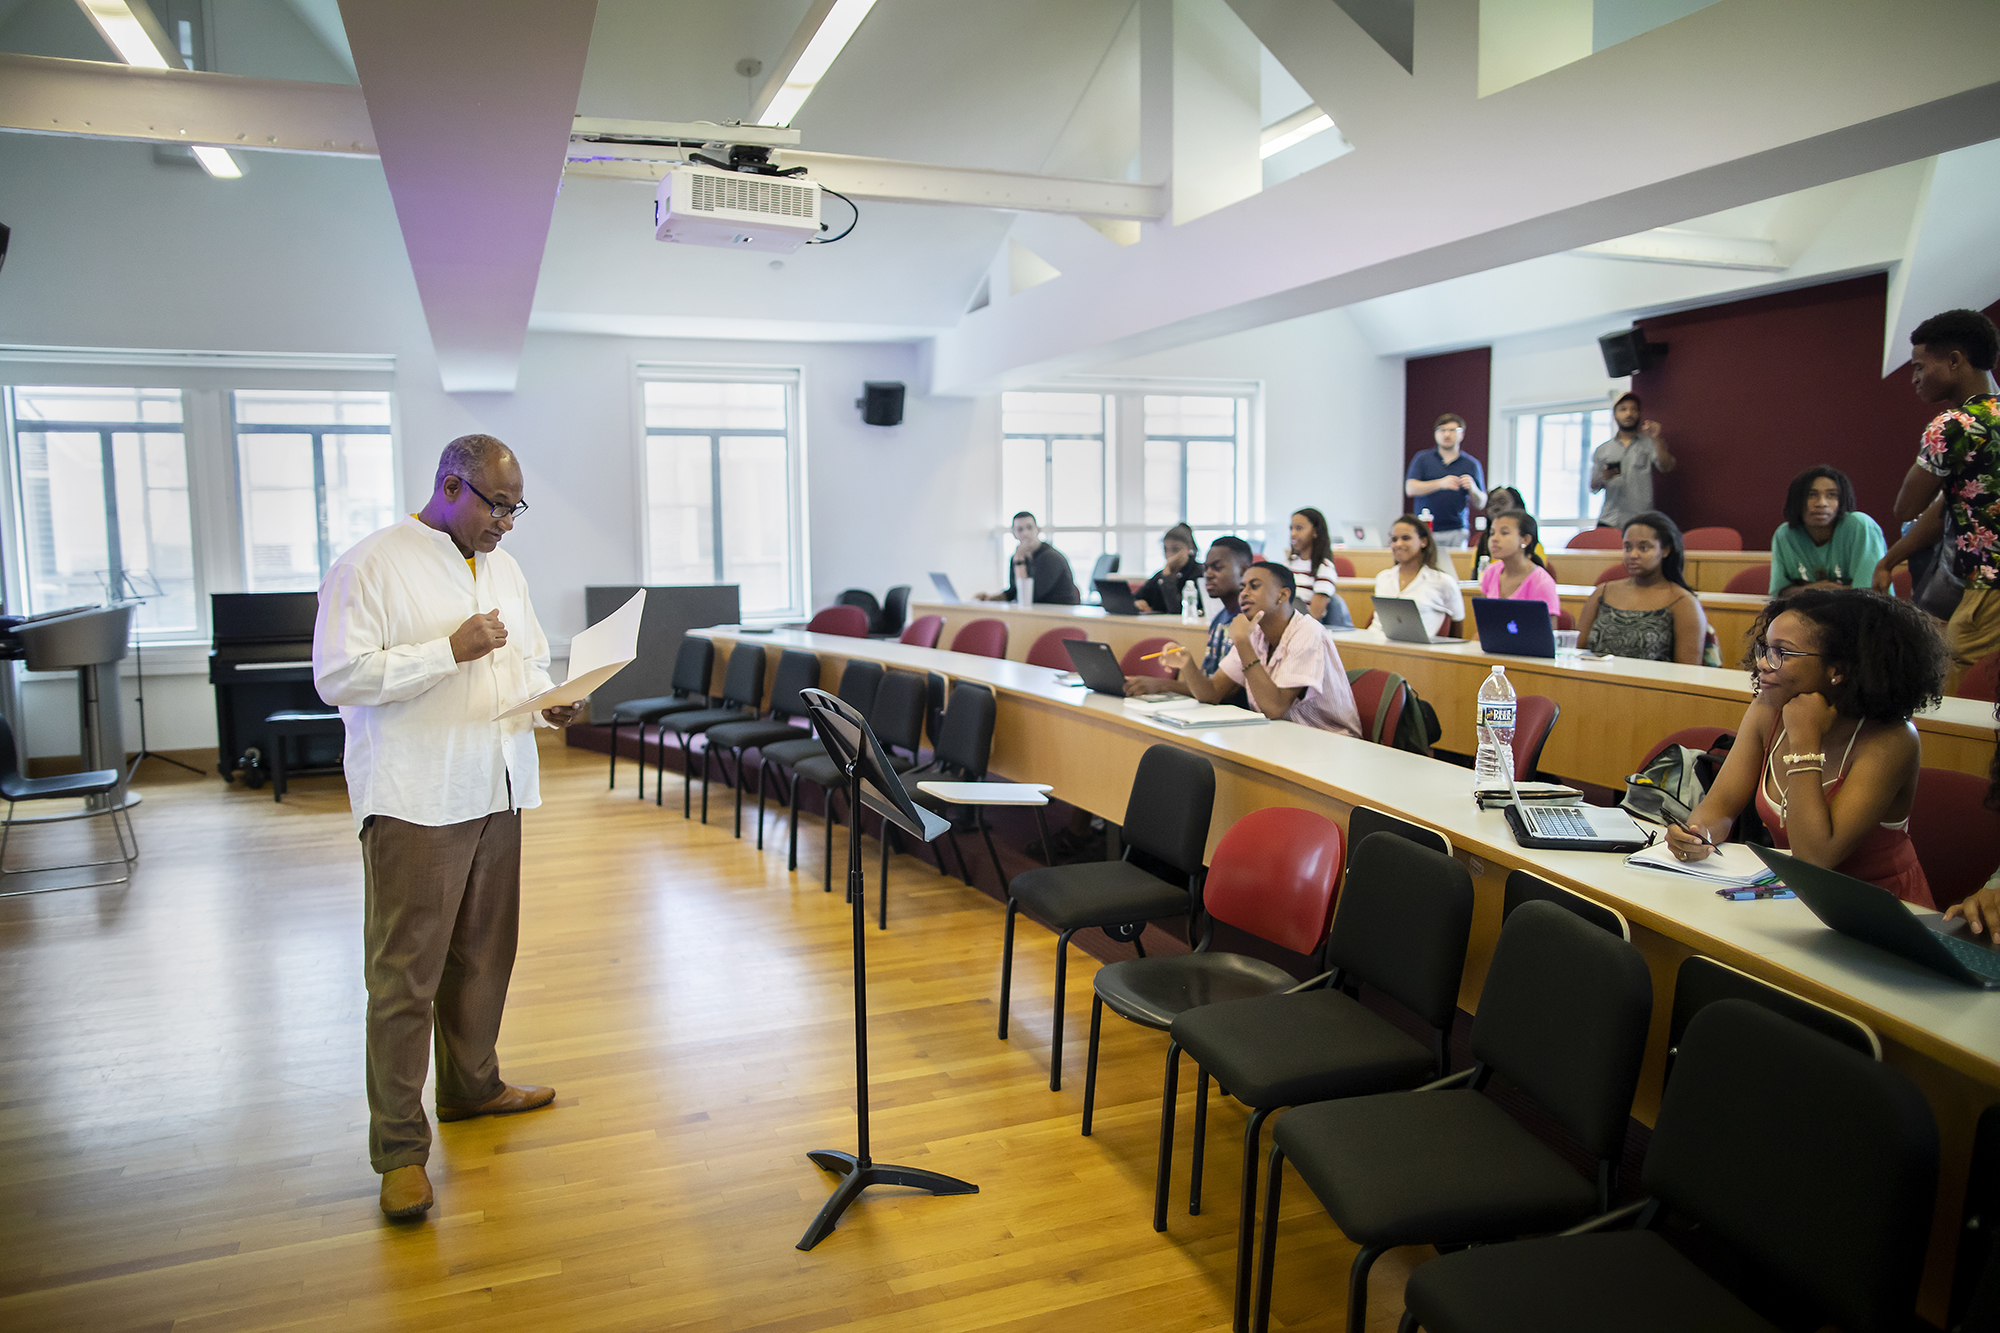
[[735, 210]]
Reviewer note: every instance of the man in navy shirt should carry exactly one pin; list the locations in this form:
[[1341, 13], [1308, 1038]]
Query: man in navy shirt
[[1448, 482]]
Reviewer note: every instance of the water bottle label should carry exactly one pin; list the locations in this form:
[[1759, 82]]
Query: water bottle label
[[1496, 713]]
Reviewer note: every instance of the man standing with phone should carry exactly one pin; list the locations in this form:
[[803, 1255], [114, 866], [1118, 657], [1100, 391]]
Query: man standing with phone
[[1623, 466], [425, 632]]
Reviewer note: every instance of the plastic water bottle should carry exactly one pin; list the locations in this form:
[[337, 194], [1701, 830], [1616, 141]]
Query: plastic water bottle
[[1190, 603], [1495, 763]]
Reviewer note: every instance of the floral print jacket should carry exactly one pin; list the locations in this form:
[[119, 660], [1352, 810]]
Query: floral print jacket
[[1963, 447]]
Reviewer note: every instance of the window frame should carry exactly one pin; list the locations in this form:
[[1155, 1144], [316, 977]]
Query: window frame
[[793, 378], [318, 434], [1525, 459]]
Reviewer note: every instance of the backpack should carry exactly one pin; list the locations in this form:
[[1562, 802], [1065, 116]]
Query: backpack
[[1672, 785], [1416, 730]]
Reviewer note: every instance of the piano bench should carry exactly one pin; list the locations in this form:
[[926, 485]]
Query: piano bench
[[287, 723]]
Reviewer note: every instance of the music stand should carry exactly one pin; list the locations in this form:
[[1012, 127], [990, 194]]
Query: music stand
[[131, 589], [873, 782]]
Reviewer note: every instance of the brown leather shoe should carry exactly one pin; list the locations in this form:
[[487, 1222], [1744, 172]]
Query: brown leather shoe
[[406, 1193], [510, 1101]]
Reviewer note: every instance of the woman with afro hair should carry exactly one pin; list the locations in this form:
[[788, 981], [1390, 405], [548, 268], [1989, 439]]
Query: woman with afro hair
[[1827, 750]]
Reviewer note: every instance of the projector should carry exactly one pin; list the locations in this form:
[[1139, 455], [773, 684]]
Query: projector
[[735, 210]]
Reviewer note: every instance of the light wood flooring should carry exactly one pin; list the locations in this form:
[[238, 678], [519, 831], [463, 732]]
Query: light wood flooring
[[182, 1124]]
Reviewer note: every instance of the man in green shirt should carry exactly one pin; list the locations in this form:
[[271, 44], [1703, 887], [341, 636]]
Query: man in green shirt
[[1825, 541]]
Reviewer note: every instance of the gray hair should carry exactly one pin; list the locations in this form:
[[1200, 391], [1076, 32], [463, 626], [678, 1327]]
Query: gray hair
[[468, 457]]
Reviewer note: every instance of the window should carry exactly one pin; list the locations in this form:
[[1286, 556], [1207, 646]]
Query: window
[[722, 487], [1552, 448], [1193, 464], [1054, 464], [103, 480], [317, 475]]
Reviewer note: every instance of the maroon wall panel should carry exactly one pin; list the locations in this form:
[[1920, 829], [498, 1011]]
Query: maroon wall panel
[[1460, 382], [1754, 392]]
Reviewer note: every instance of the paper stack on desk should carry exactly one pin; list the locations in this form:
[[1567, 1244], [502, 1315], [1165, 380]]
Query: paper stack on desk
[[595, 656], [1732, 865], [1203, 716]]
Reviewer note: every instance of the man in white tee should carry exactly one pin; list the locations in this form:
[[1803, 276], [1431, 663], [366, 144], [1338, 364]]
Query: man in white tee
[[426, 631], [1284, 660]]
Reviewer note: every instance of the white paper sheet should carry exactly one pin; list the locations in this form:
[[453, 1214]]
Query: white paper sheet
[[595, 656]]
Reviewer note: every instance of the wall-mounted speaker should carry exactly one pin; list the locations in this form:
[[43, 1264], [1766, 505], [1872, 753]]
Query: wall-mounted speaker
[[881, 403], [4, 234], [1627, 352]]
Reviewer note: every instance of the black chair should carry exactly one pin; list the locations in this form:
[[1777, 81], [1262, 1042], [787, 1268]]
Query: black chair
[[897, 719], [1523, 887], [1363, 820], [1166, 819], [934, 697], [68, 786], [858, 682], [864, 599], [1401, 928], [960, 750], [742, 698], [1701, 981], [285, 724], [694, 663], [1562, 1018], [1975, 1279], [796, 671], [1104, 568], [895, 611], [1813, 1167]]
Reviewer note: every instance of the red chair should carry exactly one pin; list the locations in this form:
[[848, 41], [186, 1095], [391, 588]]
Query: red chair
[[1368, 690], [1607, 575], [1751, 578], [1695, 738], [1133, 665], [981, 638], [1534, 718], [923, 631], [1981, 680], [848, 621], [1048, 651], [1274, 875], [1957, 837], [1711, 539], [1564, 620], [1344, 567], [1597, 539]]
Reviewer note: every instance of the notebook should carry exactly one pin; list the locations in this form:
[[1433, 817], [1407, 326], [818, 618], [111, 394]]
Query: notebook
[[1732, 865], [1201, 717]]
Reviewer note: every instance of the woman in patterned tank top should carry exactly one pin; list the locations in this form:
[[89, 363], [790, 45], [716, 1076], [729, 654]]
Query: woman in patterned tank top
[[1651, 613]]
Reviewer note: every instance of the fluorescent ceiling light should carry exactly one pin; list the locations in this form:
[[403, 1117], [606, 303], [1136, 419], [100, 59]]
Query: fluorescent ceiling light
[[1293, 129], [130, 33], [217, 162], [813, 62]]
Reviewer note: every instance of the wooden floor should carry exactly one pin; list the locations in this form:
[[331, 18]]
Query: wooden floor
[[182, 1124]]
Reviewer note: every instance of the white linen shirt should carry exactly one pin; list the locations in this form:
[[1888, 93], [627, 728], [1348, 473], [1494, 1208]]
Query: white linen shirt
[[1305, 659], [1435, 592], [420, 745]]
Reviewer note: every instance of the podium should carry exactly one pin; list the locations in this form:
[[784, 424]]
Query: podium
[[92, 643], [871, 781]]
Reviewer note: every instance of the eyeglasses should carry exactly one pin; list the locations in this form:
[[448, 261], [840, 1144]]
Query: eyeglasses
[[1766, 653], [498, 510]]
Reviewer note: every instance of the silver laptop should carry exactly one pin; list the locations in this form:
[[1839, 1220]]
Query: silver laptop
[[945, 592], [1360, 534], [1575, 828], [1402, 621]]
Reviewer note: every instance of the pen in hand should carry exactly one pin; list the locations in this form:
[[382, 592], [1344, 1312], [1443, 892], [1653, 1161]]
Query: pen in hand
[[1692, 832]]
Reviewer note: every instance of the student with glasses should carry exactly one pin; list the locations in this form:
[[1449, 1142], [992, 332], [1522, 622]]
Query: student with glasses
[[1827, 750]]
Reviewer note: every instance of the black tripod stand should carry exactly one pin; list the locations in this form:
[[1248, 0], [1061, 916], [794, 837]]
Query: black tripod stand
[[869, 778], [139, 650]]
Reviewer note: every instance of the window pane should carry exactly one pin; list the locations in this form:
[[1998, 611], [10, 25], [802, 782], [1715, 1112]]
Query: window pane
[[280, 520], [312, 407], [1561, 471], [1211, 482], [1082, 550], [1527, 467], [680, 509], [156, 537], [756, 522], [82, 404], [1163, 483], [360, 488], [1023, 479], [1171, 415], [1051, 414], [291, 531], [1077, 479], [62, 502], [691, 405]]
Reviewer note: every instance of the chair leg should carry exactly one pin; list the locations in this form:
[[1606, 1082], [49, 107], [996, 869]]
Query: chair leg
[[737, 756], [687, 776], [1200, 1133], [1357, 1287], [792, 861], [1267, 1253], [888, 834], [1007, 965], [1042, 827], [1055, 1035], [1246, 1218], [951, 837], [614, 757], [659, 766], [1169, 1095], [707, 751], [762, 769], [826, 870], [1090, 1060], [979, 818]]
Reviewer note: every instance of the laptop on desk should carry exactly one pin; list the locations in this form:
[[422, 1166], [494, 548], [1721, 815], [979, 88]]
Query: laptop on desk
[[1572, 828], [1861, 911], [1098, 666], [1118, 599], [945, 592], [1402, 621], [1514, 626]]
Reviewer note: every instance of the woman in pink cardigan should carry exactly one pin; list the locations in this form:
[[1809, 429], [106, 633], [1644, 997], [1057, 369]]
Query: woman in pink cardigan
[[1515, 570]]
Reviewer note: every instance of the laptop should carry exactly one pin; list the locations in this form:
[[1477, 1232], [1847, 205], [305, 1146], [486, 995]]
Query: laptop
[[1402, 621], [1098, 666], [1876, 916], [945, 592], [1118, 599], [1361, 534], [1514, 626], [1572, 828]]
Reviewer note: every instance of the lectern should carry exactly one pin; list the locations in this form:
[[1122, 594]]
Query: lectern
[[92, 643]]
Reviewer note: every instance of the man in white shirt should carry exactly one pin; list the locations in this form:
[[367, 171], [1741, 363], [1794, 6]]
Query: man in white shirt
[[1286, 661], [425, 632]]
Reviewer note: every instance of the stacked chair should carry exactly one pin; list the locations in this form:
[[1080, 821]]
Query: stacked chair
[[694, 663], [796, 671]]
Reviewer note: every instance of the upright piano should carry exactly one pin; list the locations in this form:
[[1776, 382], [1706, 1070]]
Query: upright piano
[[261, 663]]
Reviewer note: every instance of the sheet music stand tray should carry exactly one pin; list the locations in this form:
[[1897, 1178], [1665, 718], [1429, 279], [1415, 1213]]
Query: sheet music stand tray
[[871, 781]]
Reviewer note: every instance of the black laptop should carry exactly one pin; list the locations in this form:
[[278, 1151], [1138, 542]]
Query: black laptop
[[1876, 916], [1118, 599], [1515, 626]]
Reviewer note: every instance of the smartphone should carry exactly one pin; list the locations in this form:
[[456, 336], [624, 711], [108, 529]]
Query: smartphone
[[1753, 895]]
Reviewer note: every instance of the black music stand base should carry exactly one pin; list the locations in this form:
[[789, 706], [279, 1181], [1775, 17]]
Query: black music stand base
[[859, 1176]]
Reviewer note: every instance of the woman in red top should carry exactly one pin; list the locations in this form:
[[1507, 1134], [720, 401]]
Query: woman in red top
[[1827, 749]]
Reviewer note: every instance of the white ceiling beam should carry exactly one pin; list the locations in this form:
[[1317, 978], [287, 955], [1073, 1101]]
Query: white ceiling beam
[[98, 100], [1697, 249], [472, 103], [839, 27]]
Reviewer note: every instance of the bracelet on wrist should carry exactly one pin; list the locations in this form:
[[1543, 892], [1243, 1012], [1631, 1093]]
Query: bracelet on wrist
[[1805, 768], [1804, 758]]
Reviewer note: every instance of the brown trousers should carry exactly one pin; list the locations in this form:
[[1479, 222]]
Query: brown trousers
[[440, 926]]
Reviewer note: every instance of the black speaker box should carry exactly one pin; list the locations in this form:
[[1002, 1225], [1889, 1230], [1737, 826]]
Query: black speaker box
[[881, 403]]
